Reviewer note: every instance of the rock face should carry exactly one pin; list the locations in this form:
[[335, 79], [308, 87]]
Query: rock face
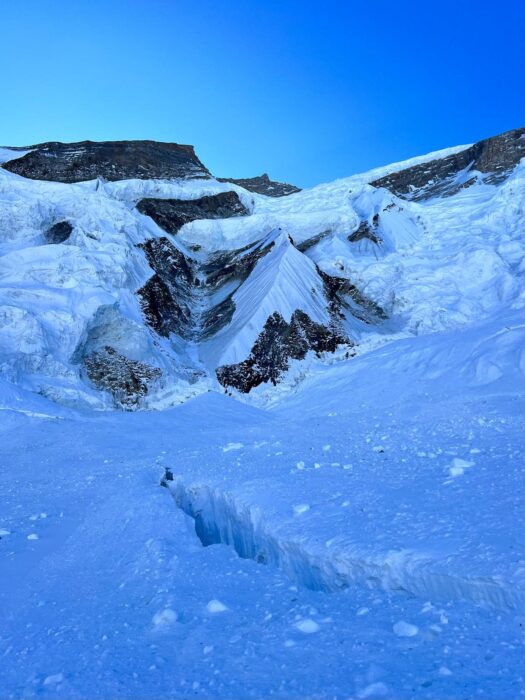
[[128, 380], [494, 156], [310, 242], [111, 160], [263, 185], [343, 295], [172, 214], [194, 299], [278, 343], [179, 297], [59, 232], [166, 297], [367, 231]]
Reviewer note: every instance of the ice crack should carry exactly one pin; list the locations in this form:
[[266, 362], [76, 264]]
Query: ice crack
[[221, 518]]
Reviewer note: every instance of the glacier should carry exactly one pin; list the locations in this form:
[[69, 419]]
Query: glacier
[[277, 453]]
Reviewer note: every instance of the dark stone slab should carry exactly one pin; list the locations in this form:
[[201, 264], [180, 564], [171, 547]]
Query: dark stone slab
[[261, 184], [226, 266], [496, 156], [310, 242], [59, 232], [217, 317], [277, 344], [367, 231], [127, 380], [111, 160], [167, 260], [172, 214]]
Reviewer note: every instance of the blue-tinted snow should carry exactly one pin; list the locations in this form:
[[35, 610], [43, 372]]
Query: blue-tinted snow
[[375, 572]]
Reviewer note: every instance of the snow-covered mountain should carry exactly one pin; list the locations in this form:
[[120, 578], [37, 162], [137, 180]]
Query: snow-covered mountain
[[130, 277], [357, 531]]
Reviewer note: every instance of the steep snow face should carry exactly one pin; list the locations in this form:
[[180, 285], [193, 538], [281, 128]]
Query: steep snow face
[[77, 275], [282, 281]]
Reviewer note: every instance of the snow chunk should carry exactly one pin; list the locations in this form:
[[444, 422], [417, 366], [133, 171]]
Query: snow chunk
[[215, 606], [164, 618], [32, 536], [458, 466], [301, 508], [307, 626], [405, 629], [54, 679], [375, 690], [233, 446]]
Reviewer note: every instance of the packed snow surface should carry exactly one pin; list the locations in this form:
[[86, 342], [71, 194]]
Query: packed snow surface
[[342, 587]]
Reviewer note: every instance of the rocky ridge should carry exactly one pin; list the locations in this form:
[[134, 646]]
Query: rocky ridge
[[263, 185], [110, 160], [490, 161]]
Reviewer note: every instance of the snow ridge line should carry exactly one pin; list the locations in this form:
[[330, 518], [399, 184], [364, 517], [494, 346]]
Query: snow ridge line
[[221, 519]]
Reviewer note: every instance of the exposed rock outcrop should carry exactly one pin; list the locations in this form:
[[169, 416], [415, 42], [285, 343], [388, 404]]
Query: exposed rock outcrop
[[59, 232], [179, 297], [166, 297], [494, 156], [310, 242], [367, 231], [160, 309], [343, 295], [261, 184], [172, 214], [278, 343], [168, 261], [127, 380], [111, 160]]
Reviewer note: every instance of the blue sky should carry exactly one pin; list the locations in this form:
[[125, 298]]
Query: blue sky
[[306, 90]]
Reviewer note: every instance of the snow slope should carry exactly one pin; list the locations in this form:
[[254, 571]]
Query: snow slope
[[367, 569]]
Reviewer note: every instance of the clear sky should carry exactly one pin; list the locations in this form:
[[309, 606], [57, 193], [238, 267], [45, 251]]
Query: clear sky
[[307, 90]]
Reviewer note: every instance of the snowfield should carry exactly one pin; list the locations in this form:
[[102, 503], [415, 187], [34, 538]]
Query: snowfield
[[355, 531]]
